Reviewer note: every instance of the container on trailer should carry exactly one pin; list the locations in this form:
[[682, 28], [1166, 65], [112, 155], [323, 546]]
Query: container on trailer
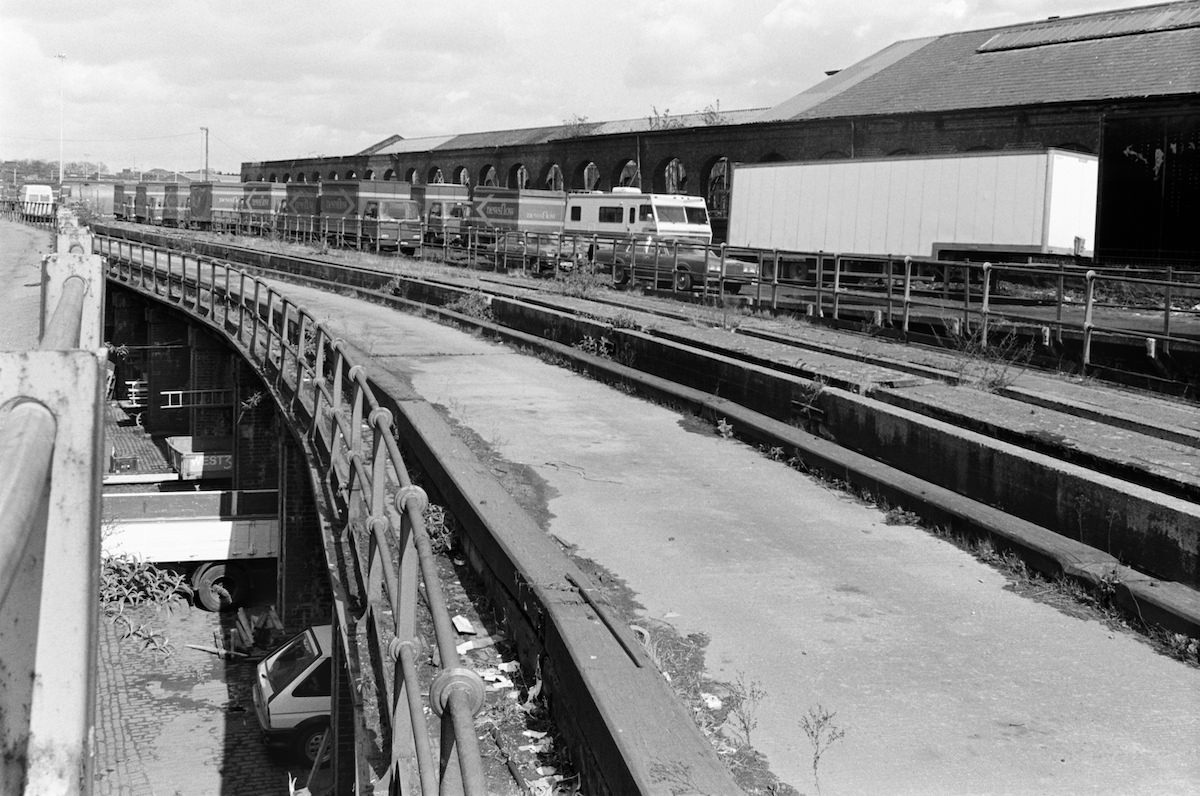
[[445, 210], [207, 201], [948, 207], [371, 213]]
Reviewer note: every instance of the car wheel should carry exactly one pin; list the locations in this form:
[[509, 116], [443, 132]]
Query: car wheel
[[683, 280], [220, 587], [620, 275], [306, 742]]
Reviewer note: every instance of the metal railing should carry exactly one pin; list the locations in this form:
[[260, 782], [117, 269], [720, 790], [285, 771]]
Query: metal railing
[[51, 432], [328, 397]]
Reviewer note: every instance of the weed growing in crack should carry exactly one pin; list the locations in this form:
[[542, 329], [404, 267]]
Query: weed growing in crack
[[988, 362], [473, 304], [818, 724], [725, 429], [746, 697]]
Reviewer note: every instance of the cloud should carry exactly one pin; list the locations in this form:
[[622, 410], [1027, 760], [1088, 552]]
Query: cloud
[[275, 80]]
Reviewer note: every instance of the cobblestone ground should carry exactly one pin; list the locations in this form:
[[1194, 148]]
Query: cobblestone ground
[[180, 724]]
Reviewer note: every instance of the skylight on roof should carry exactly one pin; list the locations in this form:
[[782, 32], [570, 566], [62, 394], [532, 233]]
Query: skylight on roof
[[1097, 26]]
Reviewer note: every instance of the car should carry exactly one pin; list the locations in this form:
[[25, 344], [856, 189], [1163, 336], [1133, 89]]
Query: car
[[293, 694], [684, 264], [538, 253]]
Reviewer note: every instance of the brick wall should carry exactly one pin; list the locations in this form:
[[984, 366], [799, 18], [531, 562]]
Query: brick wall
[[304, 594]]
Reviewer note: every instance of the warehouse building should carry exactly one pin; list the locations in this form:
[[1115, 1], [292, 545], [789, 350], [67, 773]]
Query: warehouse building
[[1124, 85]]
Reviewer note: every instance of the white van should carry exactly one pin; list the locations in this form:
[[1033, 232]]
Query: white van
[[293, 693], [628, 212]]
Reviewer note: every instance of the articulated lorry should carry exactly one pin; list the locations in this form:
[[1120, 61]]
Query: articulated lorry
[[966, 206]]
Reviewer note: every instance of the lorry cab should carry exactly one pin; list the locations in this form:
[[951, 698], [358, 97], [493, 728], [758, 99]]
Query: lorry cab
[[293, 690]]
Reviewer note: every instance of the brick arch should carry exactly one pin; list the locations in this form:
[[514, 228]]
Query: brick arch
[[627, 172], [552, 178], [586, 176]]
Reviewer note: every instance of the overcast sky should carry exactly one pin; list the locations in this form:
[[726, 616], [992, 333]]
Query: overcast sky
[[298, 78]]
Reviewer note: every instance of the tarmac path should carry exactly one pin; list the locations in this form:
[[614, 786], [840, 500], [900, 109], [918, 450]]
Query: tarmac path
[[943, 679]]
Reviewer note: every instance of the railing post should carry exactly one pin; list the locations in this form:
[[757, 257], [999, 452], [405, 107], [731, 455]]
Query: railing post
[[907, 292], [1088, 307], [1167, 297], [837, 284], [984, 307]]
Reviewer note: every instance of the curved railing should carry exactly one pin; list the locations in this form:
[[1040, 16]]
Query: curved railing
[[328, 397]]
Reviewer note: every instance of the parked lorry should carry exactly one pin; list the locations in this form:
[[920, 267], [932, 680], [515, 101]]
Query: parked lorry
[[445, 211], [944, 207], [260, 202], [208, 201], [175, 205], [219, 539], [370, 214], [526, 227], [293, 692]]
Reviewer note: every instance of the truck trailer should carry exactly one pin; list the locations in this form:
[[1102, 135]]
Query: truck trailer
[[964, 206], [370, 214]]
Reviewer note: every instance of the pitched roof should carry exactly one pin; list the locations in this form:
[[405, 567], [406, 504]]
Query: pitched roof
[[542, 135], [1141, 52]]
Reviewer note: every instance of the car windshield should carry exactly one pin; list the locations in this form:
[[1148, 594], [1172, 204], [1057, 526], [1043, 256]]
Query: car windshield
[[286, 663]]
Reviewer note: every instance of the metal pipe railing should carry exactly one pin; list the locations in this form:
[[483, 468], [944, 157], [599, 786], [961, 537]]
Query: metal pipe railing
[[384, 510]]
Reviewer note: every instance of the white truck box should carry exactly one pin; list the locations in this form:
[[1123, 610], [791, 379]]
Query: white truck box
[[1003, 202]]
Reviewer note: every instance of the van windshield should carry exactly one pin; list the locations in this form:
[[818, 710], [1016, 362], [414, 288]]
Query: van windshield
[[672, 214], [286, 663]]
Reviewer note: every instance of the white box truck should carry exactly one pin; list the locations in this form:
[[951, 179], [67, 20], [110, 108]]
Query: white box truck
[[945, 207]]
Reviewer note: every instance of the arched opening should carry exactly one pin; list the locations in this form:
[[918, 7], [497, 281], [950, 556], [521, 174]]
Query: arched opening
[[352, 175], [487, 176], [316, 177], [979, 148], [462, 176], [671, 177], [518, 176], [369, 174], [390, 174], [411, 176], [300, 177], [333, 175], [717, 191], [772, 157], [272, 178], [554, 180], [628, 175], [435, 176], [587, 177], [287, 177]]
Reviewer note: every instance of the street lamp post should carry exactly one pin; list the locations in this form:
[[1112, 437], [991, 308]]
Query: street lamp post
[[62, 114]]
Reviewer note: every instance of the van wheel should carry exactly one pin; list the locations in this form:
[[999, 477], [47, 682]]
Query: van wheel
[[683, 280], [220, 587], [306, 742]]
